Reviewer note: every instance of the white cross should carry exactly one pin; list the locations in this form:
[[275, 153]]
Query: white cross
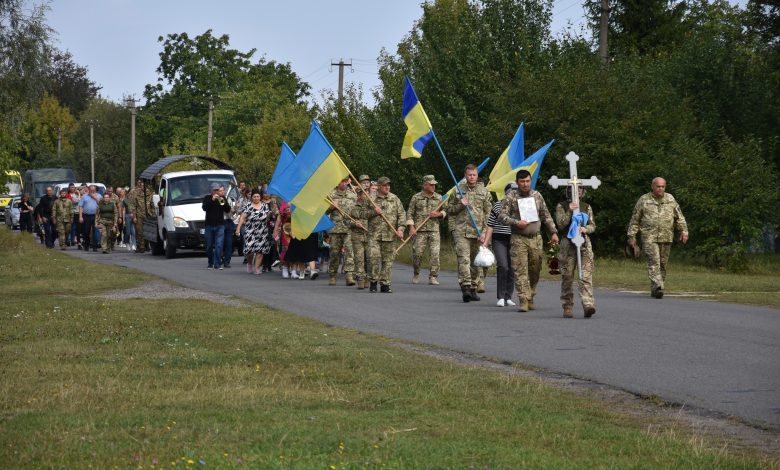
[[575, 183]]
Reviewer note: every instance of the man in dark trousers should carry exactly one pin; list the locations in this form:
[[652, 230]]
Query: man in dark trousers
[[215, 205], [43, 213]]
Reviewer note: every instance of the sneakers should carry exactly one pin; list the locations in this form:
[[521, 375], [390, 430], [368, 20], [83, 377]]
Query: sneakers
[[275, 263], [433, 281], [509, 303], [416, 279], [500, 303], [314, 275], [294, 274], [590, 310], [567, 312], [285, 273], [210, 267], [221, 268], [302, 275]]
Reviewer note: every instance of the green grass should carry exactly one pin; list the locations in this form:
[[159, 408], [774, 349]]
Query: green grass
[[760, 285], [89, 382]]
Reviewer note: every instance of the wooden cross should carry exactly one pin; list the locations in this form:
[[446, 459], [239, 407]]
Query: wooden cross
[[574, 182]]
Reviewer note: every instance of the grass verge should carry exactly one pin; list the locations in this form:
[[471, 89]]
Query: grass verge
[[90, 382], [760, 285]]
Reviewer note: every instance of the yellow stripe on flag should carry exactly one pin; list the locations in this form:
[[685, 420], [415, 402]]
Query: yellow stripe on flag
[[418, 126], [497, 186], [328, 175], [303, 223]]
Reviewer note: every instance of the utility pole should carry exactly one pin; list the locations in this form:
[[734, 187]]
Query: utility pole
[[59, 143], [211, 128], [133, 112], [603, 29], [341, 65], [92, 149]]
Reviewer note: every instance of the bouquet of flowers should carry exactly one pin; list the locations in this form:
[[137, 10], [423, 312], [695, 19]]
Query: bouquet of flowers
[[552, 258]]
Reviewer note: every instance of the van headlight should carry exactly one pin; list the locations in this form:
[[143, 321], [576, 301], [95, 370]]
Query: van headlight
[[178, 222]]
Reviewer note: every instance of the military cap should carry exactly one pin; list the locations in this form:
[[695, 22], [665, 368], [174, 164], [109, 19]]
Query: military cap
[[429, 179], [364, 178], [383, 180]]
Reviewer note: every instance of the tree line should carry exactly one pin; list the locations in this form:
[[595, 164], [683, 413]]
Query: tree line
[[690, 93]]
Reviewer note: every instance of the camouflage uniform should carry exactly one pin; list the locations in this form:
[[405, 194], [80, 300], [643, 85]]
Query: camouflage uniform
[[527, 249], [115, 199], [464, 235], [567, 256], [656, 218], [427, 237], [359, 239], [140, 208], [381, 239], [340, 235], [105, 218], [62, 212]]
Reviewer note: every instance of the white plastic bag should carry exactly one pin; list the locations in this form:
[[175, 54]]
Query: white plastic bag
[[485, 258]]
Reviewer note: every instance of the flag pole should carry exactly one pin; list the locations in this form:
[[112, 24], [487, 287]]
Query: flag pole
[[449, 168], [421, 224], [373, 203]]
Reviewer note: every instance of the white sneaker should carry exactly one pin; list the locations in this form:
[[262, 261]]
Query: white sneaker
[[285, 273], [294, 274], [302, 275], [132, 248], [500, 303], [509, 303]]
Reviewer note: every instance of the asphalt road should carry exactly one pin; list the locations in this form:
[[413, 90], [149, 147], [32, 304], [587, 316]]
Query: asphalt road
[[708, 355]]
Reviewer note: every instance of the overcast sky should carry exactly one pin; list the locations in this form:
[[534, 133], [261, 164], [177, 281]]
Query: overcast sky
[[117, 39]]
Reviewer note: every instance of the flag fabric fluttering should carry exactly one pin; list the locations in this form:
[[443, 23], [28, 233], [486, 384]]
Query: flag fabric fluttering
[[313, 174], [302, 223], [513, 155], [418, 125], [533, 164]]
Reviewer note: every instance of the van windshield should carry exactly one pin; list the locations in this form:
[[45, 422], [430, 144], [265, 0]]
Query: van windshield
[[193, 188], [12, 186]]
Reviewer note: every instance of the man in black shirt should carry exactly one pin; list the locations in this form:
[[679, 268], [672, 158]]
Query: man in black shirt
[[216, 206], [43, 212]]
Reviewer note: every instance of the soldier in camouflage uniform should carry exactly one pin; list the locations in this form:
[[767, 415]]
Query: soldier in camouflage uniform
[[656, 214], [139, 201], [527, 249], [426, 205], [62, 215], [465, 236], [106, 218], [381, 238], [359, 237], [567, 256], [343, 198], [115, 199]]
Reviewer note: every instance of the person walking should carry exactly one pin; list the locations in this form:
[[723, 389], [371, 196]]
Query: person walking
[[25, 214], [527, 249], [62, 214], [254, 221], [43, 213], [88, 207], [656, 215], [567, 254], [215, 206], [106, 219], [341, 201], [359, 237], [139, 202], [423, 219], [500, 237], [382, 237], [477, 201]]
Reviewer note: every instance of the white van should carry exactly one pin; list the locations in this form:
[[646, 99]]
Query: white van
[[178, 197]]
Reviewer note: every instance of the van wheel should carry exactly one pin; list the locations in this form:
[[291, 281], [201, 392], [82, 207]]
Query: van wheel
[[169, 247]]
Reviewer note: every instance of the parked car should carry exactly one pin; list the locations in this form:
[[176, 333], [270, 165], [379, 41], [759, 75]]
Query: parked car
[[11, 213]]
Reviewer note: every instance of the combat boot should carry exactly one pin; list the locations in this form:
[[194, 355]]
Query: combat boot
[[473, 294], [386, 289], [466, 291], [590, 310], [416, 279], [522, 305], [433, 280], [481, 287], [373, 287], [531, 304], [567, 312], [360, 285], [332, 281], [365, 283], [350, 280]]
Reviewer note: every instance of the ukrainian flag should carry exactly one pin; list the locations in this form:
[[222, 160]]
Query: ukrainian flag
[[512, 157], [303, 223], [313, 174], [419, 129], [533, 164]]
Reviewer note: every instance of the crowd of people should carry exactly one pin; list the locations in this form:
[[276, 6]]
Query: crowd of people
[[369, 226]]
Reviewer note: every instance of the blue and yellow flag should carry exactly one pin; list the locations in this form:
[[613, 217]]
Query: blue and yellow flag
[[286, 158], [313, 174], [533, 164], [417, 123], [512, 157]]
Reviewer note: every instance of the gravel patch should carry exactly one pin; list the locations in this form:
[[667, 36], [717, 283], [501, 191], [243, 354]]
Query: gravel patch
[[162, 290]]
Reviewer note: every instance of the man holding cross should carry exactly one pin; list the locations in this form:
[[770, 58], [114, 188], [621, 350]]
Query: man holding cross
[[527, 248], [655, 215]]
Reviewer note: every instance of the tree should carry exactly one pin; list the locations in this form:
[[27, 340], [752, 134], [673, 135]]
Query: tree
[[70, 84], [46, 134]]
